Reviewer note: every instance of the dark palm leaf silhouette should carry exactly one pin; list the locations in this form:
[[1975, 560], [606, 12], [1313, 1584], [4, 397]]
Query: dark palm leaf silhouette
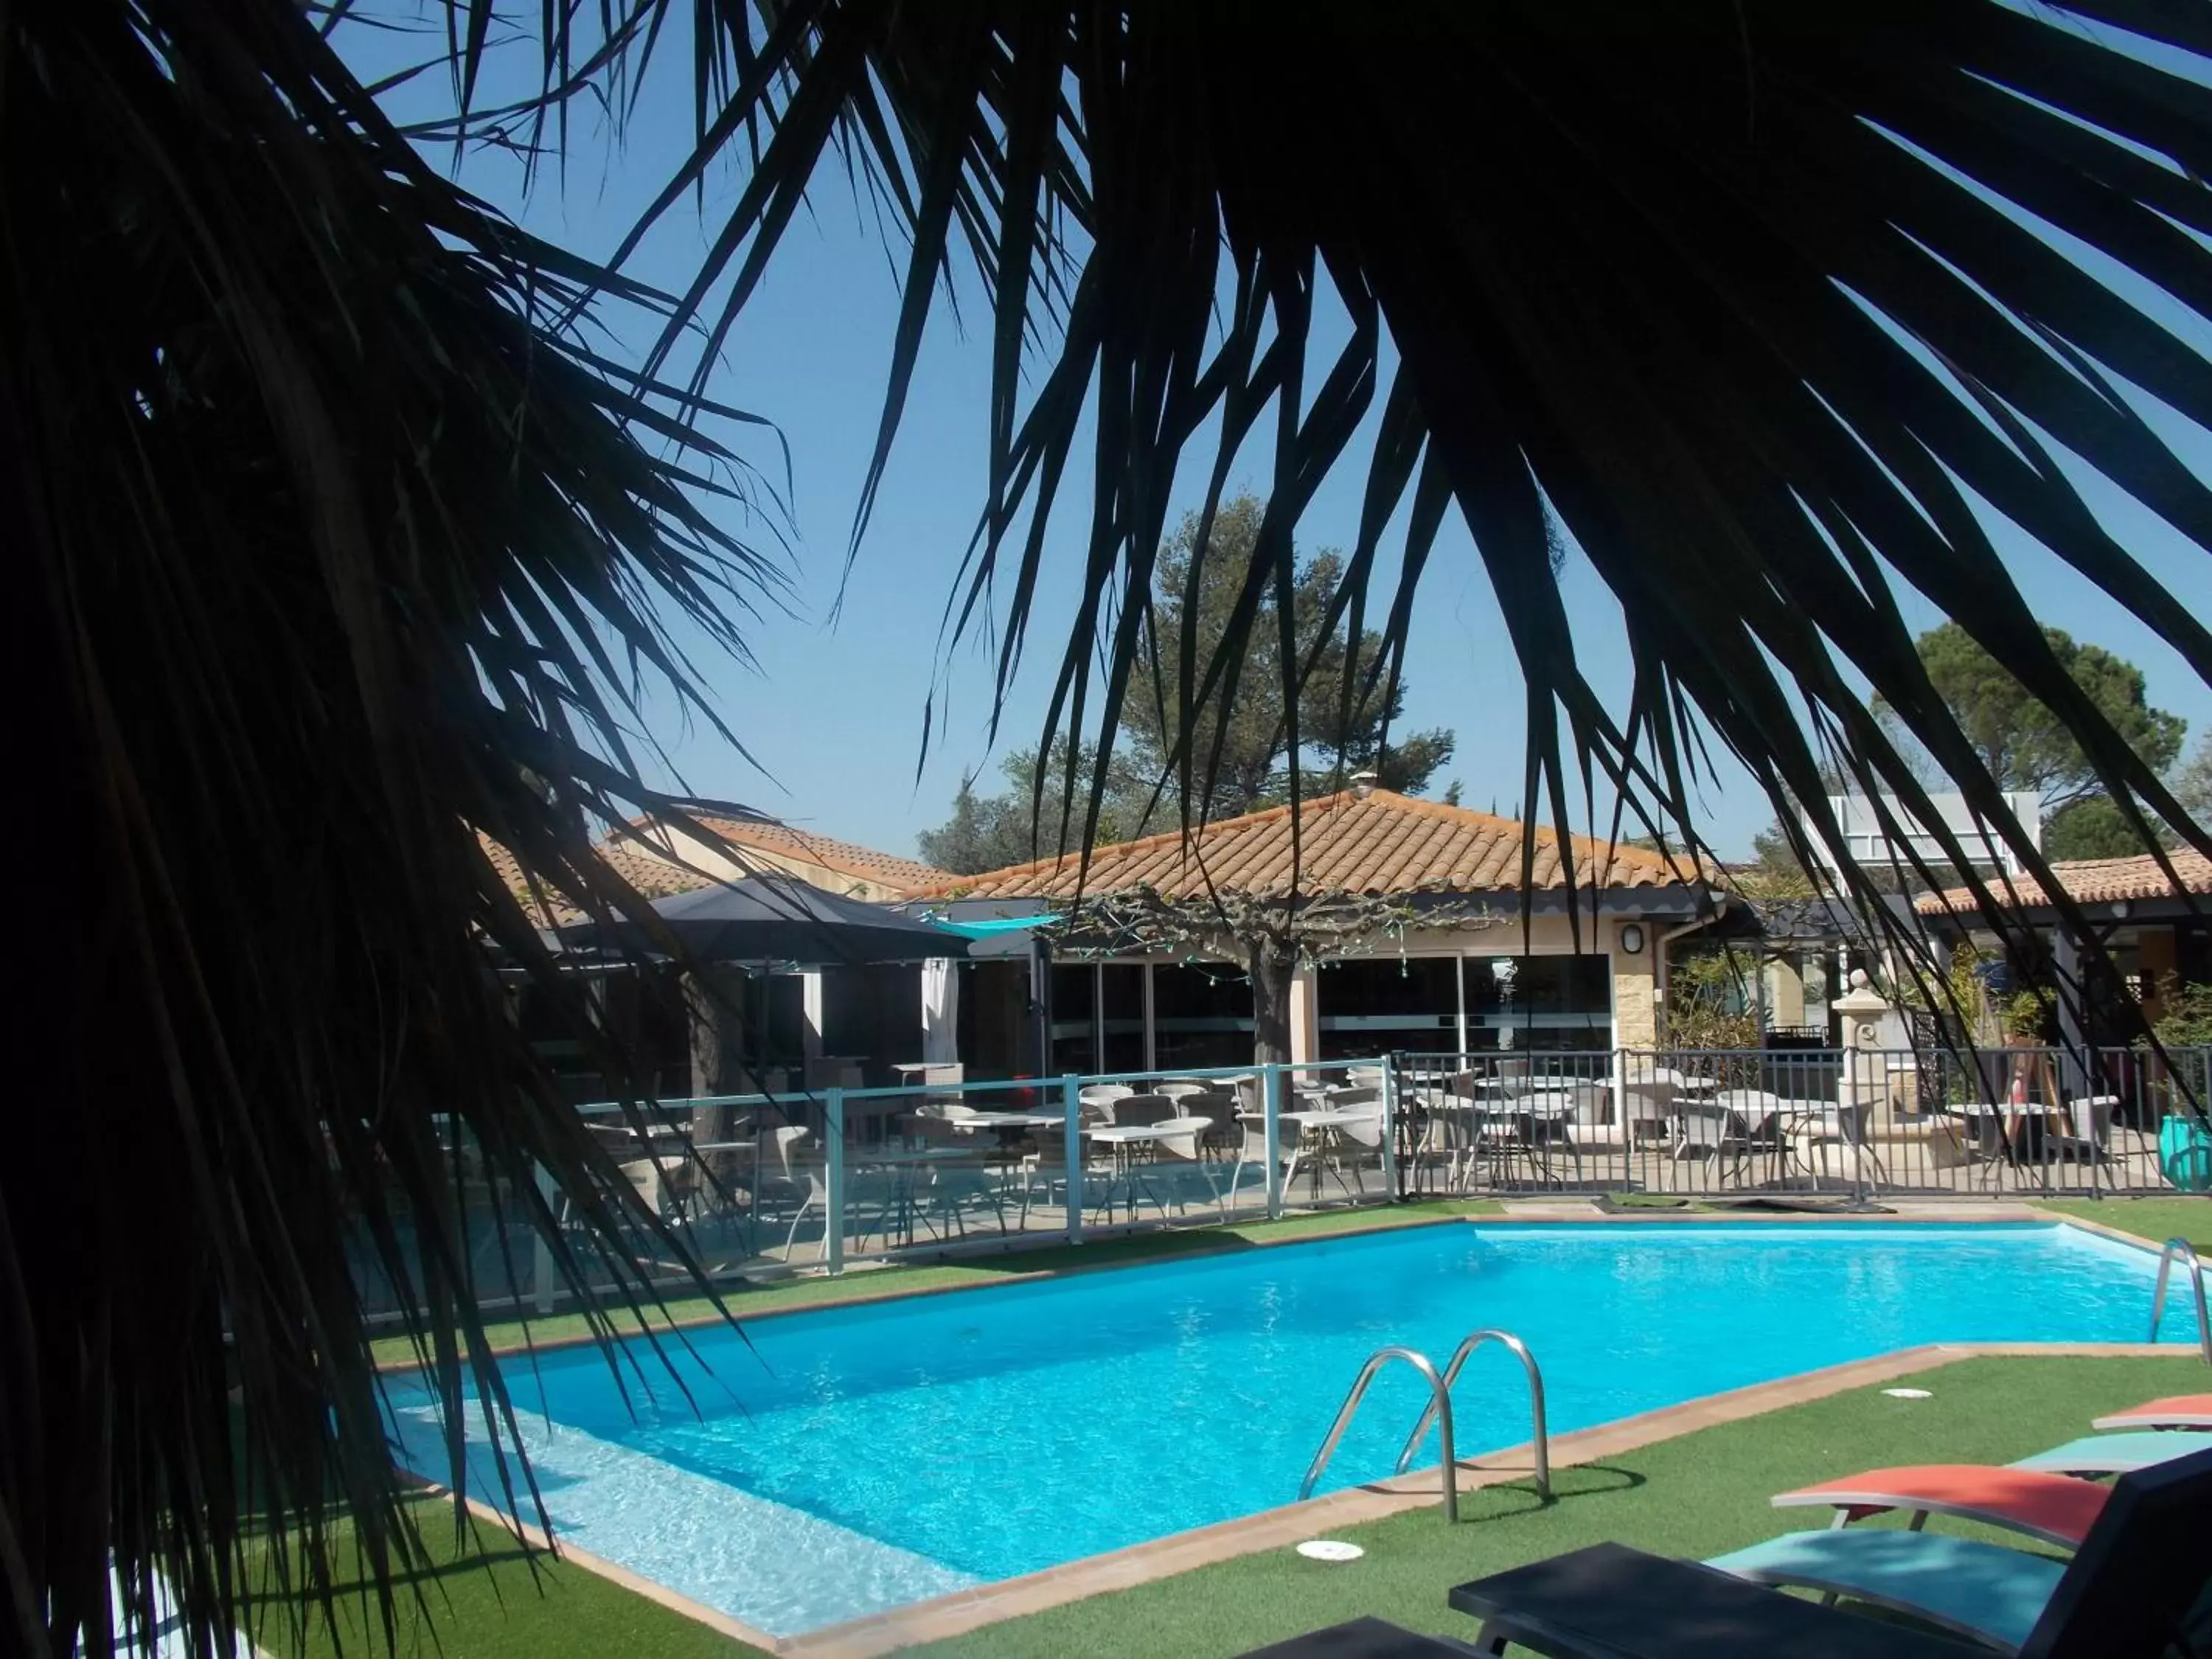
[[341, 547]]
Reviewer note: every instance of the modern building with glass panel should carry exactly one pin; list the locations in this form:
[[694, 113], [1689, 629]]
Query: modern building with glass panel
[[1572, 962]]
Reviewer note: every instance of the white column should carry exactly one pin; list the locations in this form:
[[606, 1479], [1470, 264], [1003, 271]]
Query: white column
[[810, 1036], [1305, 1013]]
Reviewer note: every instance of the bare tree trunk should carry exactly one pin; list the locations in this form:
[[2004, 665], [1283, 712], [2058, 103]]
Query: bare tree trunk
[[1273, 966], [717, 1044]]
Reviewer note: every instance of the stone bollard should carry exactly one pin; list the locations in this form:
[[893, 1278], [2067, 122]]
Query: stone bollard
[[1866, 1073]]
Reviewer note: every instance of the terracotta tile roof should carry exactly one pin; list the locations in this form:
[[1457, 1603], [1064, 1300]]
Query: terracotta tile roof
[[654, 877], [842, 856], [2090, 881], [1385, 843]]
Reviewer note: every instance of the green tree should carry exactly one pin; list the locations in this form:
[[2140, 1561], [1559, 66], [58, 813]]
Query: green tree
[[1775, 871], [2192, 783], [1342, 722], [990, 832], [2024, 745], [2093, 827], [1018, 825]]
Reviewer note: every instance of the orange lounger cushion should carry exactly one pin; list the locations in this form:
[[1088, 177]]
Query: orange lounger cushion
[[2056, 1508], [2176, 1411]]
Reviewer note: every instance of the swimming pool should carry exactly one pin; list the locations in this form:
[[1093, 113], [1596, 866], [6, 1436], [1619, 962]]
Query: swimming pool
[[857, 1459]]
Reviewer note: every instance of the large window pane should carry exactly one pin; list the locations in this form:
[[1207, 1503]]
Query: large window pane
[[1201, 1016], [1122, 1016], [1543, 1002], [1381, 1004], [1074, 1005]]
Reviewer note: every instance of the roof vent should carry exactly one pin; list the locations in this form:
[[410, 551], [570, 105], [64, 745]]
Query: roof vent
[[1362, 785]]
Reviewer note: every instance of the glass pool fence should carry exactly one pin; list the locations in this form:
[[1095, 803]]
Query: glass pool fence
[[754, 1186]]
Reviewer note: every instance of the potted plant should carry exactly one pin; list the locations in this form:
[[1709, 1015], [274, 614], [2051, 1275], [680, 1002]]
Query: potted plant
[[2184, 1030]]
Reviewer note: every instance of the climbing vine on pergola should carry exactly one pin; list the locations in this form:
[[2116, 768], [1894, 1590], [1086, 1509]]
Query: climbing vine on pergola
[[1271, 934]]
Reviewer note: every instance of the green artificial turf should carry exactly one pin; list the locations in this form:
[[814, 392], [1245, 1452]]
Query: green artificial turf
[[482, 1597], [2154, 1218], [1700, 1495], [1695, 1496], [823, 1290]]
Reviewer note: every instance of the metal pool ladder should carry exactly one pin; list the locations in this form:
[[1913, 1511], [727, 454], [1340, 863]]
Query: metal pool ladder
[[1439, 1411], [1539, 1432], [2174, 1249]]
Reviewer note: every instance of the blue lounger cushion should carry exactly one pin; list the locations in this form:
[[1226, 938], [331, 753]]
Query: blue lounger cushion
[[2117, 1454], [1981, 1590]]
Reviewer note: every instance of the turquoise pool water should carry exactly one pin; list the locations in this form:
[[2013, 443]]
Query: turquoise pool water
[[829, 1465]]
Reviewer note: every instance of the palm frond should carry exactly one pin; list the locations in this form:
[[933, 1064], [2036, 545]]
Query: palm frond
[[338, 551], [1758, 302]]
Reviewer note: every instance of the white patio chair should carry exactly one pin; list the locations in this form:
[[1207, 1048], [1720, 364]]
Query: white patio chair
[[1446, 1137], [1844, 1127], [2090, 1122], [1647, 1109], [1134, 1111], [1712, 1134], [1253, 1153], [1178, 1155], [1362, 1140], [801, 1188]]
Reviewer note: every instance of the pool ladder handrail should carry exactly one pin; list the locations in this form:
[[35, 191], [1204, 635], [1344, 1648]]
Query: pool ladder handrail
[[1439, 1405], [1539, 1435], [2182, 1249]]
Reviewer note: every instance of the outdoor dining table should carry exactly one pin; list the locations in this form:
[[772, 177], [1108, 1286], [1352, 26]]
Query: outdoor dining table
[[1121, 1140], [902, 1162], [1009, 1126]]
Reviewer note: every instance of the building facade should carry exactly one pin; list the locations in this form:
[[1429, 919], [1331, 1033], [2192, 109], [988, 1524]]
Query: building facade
[[1485, 937]]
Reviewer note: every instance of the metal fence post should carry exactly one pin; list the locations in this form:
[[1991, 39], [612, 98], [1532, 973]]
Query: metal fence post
[[541, 1255], [1071, 1104], [1270, 1096], [833, 1222], [1390, 1171]]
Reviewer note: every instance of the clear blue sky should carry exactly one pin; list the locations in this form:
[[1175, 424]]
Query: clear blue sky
[[833, 715]]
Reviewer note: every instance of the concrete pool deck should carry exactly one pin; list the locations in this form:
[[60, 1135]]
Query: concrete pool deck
[[967, 1610]]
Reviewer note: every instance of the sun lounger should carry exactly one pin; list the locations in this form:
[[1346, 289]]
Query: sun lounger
[[1984, 1592], [1609, 1602], [2117, 1454], [2145, 1554], [2049, 1497], [2137, 1588], [2177, 1411], [2058, 1509]]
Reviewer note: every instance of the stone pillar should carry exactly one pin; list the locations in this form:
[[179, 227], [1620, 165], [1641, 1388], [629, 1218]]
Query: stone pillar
[[1635, 990], [1305, 1013], [1865, 1080], [1789, 999]]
